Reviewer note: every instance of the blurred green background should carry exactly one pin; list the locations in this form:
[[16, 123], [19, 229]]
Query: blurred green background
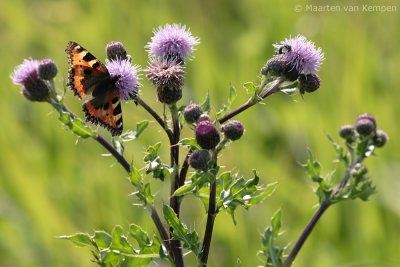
[[51, 184]]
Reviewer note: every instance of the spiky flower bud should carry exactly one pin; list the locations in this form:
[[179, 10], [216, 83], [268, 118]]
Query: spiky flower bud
[[47, 69], [380, 138], [308, 83], [348, 133], [233, 130], [192, 113], [365, 124], [279, 66], [207, 135], [199, 160], [116, 50]]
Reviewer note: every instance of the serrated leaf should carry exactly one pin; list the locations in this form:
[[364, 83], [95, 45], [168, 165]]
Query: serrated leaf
[[180, 232], [79, 239], [272, 252], [276, 223]]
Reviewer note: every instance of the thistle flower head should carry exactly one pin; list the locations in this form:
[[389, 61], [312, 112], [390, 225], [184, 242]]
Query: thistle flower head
[[172, 42], [33, 88], [301, 54], [28, 70], [126, 77], [165, 73]]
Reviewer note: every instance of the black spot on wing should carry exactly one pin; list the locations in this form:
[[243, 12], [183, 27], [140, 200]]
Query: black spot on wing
[[88, 57], [117, 110]]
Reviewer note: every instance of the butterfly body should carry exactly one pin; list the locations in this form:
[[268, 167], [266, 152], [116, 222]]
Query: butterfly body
[[89, 79]]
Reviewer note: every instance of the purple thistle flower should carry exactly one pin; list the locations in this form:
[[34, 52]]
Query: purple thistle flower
[[28, 70], [301, 54], [127, 80], [33, 88], [172, 42]]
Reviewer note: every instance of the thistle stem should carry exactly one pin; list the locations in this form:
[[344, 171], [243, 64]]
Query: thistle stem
[[251, 102], [154, 114], [304, 235], [212, 212], [174, 201], [312, 223]]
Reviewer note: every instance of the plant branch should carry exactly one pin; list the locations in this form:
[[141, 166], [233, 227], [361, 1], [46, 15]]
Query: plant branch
[[154, 114], [212, 212], [322, 208], [304, 235], [174, 201], [251, 102]]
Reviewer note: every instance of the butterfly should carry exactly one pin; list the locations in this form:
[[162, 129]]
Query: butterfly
[[89, 79]]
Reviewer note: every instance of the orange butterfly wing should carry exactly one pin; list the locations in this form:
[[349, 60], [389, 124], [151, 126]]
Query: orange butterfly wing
[[89, 77]]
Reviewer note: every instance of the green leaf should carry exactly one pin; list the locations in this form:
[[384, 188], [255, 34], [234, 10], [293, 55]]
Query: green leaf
[[232, 94], [206, 104], [231, 98], [132, 135], [135, 176], [119, 242], [250, 88], [139, 235], [198, 180], [273, 253], [79, 239], [189, 142], [76, 125], [180, 232], [154, 164], [234, 192], [102, 239]]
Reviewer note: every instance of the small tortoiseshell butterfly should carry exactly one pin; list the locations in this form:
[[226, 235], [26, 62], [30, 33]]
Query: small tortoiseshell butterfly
[[88, 77]]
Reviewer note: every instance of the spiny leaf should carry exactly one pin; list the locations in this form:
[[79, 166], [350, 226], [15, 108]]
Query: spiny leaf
[[180, 232]]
